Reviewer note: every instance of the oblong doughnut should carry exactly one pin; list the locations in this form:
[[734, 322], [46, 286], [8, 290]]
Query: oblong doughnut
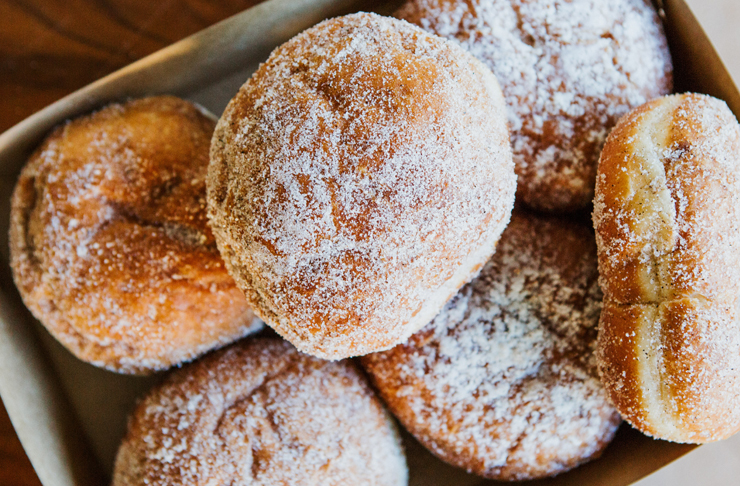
[[667, 217]]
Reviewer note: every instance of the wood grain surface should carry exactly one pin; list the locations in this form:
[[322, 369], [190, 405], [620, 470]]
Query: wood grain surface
[[50, 48]]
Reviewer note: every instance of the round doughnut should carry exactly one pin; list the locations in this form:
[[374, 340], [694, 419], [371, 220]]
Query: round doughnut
[[261, 413], [503, 381], [358, 180], [667, 219], [568, 69], [110, 244]]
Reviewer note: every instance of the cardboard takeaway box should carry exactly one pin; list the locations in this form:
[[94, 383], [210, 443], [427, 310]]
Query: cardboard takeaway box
[[70, 416]]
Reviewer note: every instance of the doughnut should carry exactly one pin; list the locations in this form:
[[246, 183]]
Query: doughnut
[[503, 381], [667, 219], [110, 244], [358, 180], [569, 69], [261, 413]]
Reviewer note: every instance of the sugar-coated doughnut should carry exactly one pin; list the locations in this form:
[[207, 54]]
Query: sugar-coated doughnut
[[358, 180], [503, 382], [568, 69], [667, 218], [261, 414], [110, 244]]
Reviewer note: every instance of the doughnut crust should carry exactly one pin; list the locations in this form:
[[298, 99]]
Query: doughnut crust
[[261, 414], [568, 69], [503, 382], [667, 219], [358, 180], [110, 244]]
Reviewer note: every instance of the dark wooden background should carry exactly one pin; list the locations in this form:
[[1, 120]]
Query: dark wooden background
[[50, 48]]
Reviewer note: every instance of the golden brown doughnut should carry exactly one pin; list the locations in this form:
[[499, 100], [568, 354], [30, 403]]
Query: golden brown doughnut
[[568, 69], [667, 219], [261, 413], [110, 244], [358, 180], [503, 382]]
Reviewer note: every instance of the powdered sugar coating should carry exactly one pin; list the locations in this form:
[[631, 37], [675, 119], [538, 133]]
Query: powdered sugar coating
[[503, 381], [667, 215], [358, 180], [568, 69], [260, 413], [110, 245]]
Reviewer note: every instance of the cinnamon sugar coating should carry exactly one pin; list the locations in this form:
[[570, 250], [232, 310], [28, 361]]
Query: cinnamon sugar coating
[[358, 180], [110, 244], [568, 69], [261, 413], [503, 381], [667, 218]]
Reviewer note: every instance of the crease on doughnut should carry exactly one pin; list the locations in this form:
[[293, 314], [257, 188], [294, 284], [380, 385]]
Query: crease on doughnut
[[21, 220], [650, 143]]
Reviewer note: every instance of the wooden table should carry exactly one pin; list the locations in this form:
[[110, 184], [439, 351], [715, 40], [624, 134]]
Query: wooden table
[[49, 48]]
